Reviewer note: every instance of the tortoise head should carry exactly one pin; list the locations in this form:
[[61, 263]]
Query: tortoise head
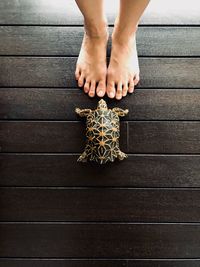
[[102, 104]]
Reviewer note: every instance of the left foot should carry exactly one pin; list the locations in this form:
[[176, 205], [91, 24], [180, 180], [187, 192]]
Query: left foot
[[123, 70]]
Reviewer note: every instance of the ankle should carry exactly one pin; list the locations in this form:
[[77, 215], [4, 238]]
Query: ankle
[[96, 29], [123, 39], [123, 35]]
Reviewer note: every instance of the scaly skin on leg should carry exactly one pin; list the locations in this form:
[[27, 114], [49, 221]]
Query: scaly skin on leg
[[123, 70], [83, 157], [122, 155], [120, 112], [83, 112], [91, 65]]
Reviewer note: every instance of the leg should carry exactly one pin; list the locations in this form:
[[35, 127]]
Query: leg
[[91, 66], [120, 112], [82, 112], [123, 70], [83, 157], [121, 155]]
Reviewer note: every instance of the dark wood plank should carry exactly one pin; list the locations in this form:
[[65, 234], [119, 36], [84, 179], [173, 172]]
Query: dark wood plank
[[164, 263], [59, 72], [63, 170], [164, 137], [102, 240], [96, 263], [143, 136], [52, 104], [152, 41], [42, 136], [99, 204], [62, 13], [63, 263], [166, 41]]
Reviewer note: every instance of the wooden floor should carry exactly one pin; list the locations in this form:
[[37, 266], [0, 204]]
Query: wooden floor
[[54, 212]]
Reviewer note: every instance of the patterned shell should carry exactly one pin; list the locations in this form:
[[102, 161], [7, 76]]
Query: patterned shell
[[102, 132], [102, 136]]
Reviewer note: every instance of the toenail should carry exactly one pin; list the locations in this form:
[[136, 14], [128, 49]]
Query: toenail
[[91, 94], [100, 92], [111, 94]]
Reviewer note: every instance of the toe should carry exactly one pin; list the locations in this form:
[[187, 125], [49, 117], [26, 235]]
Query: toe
[[101, 88], [137, 79], [111, 89], [125, 89], [81, 80], [92, 88], [77, 73], [87, 87], [119, 91], [131, 86]]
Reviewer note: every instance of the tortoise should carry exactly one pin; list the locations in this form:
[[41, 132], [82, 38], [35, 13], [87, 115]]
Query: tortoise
[[102, 132]]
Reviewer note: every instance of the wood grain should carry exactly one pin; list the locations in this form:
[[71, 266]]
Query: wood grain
[[143, 136], [151, 41], [59, 104], [164, 137], [97, 263], [99, 240], [59, 72], [99, 204], [136, 171]]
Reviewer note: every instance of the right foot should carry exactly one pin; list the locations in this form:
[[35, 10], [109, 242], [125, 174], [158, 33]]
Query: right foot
[[91, 67], [123, 69]]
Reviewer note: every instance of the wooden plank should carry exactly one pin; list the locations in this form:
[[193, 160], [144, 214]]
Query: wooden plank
[[52, 104], [143, 136], [164, 137], [163, 263], [152, 41], [99, 204], [168, 41], [63, 263], [62, 13], [59, 72], [63, 170], [14, 262], [100, 240]]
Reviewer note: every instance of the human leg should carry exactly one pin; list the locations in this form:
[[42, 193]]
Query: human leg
[[123, 69], [91, 65]]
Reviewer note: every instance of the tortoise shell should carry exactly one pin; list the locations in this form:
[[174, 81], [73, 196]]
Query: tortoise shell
[[102, 132]]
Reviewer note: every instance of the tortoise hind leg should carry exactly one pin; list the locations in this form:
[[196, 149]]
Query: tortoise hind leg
[[83, 157], [121, 155]]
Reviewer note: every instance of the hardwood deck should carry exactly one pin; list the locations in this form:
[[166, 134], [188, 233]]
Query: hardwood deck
[[142, 212]]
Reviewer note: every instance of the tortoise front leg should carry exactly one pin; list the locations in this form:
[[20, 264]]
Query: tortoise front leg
[[120, 112], [82, 112]]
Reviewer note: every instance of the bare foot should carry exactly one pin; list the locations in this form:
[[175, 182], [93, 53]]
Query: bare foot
[[91, 67], [123, 69]]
